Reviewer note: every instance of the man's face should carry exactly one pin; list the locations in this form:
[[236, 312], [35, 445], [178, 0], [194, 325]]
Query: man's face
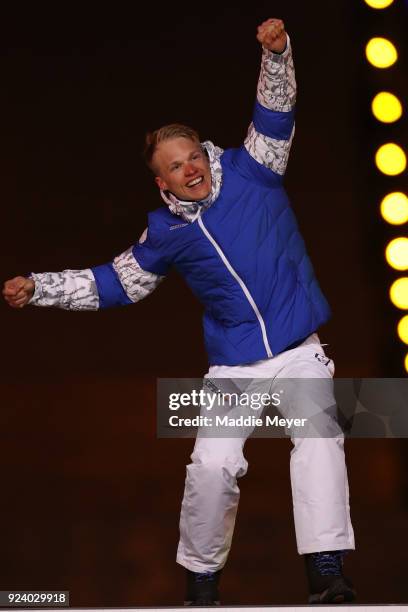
[[183, 169]]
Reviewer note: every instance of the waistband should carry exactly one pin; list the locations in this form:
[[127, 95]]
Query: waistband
[[312, 338]]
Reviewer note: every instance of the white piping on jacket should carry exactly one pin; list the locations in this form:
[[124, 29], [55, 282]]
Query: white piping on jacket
[[241, 283]]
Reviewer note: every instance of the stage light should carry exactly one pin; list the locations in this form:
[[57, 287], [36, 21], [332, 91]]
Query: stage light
[[406, 362], [386, 107], [379, 4], [396, 253], [381, 53], [399, 293], [391, 159], [403, 329], [394, 208]]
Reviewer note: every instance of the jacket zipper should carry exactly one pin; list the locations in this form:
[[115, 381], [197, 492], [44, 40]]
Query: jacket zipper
[[241, 283]]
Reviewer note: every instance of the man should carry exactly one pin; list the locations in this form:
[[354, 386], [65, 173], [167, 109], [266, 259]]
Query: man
[[229, 230]]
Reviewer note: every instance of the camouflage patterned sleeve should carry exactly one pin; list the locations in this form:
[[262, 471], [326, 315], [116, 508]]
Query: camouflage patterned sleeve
[[277, 84], [136, 282], [271, 132], [117, 283], [70, 290]]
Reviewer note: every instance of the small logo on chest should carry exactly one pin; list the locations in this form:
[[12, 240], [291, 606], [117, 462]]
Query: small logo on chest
[[173, 227]]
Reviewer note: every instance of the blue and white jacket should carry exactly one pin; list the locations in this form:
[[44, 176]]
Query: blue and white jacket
[[239, 250]]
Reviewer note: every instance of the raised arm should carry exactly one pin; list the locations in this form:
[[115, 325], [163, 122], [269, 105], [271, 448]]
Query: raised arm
[[121, 282], [270, 134]]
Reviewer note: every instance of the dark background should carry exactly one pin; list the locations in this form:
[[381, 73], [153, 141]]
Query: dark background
[[90, 496]]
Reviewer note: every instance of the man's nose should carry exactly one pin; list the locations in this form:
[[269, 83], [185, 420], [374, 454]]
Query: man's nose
[[189, 168]]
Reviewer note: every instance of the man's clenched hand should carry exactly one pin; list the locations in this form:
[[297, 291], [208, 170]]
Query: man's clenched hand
[[272, 35], [18, 291]]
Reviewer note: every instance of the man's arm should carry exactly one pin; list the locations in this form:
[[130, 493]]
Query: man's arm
[[120, 282], [270, 134], [124, 281]]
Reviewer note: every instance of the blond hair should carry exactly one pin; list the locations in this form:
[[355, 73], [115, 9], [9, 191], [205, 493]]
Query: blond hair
[[167, 132]]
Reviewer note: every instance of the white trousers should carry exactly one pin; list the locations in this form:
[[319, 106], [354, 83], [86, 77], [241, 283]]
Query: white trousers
[[317, 471]]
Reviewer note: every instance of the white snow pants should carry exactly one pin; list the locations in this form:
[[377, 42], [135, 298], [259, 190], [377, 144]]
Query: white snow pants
[[317, 471]]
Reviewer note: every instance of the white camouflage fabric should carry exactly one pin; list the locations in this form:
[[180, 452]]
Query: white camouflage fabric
[[136, 282], [277, 84], [69, 289], [267, 151]]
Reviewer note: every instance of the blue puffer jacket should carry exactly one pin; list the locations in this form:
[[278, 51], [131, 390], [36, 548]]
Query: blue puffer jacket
[[243, 255], [245, 260]]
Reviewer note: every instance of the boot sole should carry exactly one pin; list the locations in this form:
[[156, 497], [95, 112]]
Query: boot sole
[[336, 595]]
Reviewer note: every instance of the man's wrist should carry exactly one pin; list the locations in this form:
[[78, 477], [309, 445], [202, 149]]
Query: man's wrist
[[281, 56], [283, 50], [36, 293]]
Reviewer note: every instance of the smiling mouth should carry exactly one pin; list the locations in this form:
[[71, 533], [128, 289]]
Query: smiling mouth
[[196, 182]]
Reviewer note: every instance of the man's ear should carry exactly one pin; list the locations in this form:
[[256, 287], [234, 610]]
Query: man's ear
[[160, 183]]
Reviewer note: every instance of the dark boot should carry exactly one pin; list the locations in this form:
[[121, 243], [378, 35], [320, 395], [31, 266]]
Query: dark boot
[[202, 588], [327, 584]]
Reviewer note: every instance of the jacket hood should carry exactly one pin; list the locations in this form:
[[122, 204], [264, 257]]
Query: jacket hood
[[189, 211]]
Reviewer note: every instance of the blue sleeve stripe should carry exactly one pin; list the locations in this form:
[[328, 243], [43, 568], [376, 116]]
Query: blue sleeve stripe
[[275, 124], [111, 292], [149, 259], [251, 167]]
